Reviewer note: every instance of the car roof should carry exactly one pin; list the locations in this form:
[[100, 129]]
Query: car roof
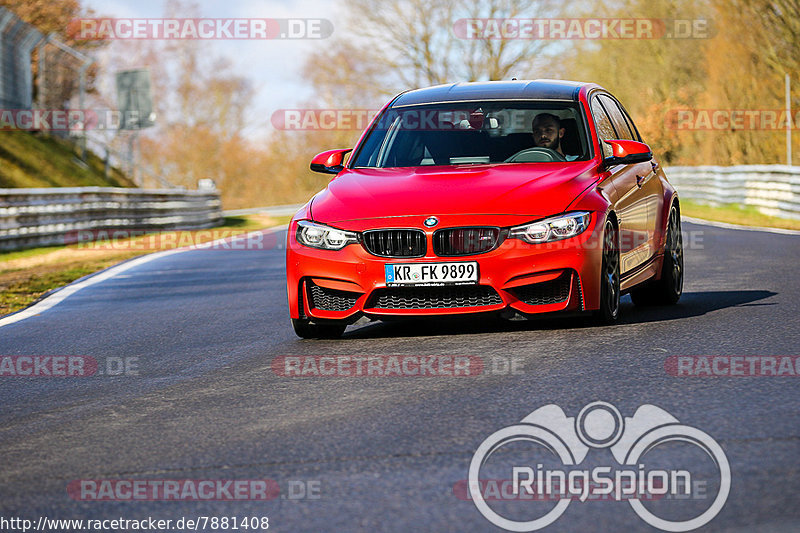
[[493, 90]]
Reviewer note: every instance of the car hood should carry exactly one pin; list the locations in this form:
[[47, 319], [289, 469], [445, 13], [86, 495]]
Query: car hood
[[532, 190]]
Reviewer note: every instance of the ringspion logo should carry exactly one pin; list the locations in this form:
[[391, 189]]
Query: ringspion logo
[[548, 432]]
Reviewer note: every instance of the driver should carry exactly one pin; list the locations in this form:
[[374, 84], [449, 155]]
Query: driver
[[547, 133]]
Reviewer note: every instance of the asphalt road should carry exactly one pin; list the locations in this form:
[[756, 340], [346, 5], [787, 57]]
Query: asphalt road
[[200, 330]]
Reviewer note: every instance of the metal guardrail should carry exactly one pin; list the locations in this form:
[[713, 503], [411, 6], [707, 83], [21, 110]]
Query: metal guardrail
[[274, 210], [43, 217], [772, 189]]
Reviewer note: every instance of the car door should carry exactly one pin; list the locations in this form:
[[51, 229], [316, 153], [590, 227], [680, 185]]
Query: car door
[[653, 190], [622, 176], [632, 209]]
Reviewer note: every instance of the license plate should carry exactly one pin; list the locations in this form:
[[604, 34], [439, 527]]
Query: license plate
[[432, 273]]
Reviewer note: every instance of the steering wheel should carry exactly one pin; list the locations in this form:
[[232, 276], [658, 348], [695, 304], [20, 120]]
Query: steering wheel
[[536, 154]]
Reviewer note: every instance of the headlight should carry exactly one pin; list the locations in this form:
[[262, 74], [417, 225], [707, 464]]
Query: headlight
[[552, 229], [325, 237]]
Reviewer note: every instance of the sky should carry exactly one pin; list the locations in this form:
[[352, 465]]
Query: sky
[[274, 66]]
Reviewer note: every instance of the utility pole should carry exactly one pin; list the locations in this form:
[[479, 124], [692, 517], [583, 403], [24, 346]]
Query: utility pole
[[42, 65], [788, 121]]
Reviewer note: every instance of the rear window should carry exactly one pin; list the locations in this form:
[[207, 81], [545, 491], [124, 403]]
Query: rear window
[[620, 124], [464, 133]]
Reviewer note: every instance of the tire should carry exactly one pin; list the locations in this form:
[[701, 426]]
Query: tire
[[668, 289], [609, 278], [305, 329]]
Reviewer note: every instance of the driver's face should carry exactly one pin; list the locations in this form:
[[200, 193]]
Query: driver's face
[[547, 134]]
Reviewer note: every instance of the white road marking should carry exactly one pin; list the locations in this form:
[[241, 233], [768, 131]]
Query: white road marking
[[68, 290]]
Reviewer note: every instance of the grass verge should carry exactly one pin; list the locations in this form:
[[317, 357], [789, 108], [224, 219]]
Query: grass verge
[[735, 214], [27, 274], [38, 160]]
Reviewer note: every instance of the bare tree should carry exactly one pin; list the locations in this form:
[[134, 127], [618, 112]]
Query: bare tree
[[394, 45], [497, 59]]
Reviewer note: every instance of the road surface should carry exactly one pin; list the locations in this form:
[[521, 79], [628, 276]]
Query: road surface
[[199, 331]]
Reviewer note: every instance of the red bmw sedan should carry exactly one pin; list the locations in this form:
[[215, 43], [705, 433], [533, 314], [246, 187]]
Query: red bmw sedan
[[517, 197]]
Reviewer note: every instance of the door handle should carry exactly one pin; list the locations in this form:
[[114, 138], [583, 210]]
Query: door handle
[[640, 180]]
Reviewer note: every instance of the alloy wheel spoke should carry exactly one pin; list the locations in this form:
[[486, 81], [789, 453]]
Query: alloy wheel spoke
[[675, 243], [612, 262]]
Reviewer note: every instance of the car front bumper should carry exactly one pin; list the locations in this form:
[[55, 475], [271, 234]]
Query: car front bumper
[[528, 278]]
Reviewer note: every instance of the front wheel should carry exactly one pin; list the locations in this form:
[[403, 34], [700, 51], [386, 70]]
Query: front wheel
[[668, 289], [308, 330], [609, 280]]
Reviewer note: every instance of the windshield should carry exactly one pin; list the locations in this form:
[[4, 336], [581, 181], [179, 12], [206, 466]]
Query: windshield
[[475, 133]]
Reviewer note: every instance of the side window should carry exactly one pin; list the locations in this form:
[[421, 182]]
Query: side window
[[603, 125], [631, 125], [620, 125]]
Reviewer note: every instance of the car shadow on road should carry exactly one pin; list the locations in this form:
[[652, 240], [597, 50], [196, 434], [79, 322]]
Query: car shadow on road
[[691, 304], [694, 304]]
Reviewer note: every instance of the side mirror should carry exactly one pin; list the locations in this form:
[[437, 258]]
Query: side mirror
[[627, 152], [330, 162]]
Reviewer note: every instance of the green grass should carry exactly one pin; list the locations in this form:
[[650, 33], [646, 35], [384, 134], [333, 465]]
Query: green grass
[[30, 252], [26, 275], [736, 214], [38, 160], [20, 294]]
